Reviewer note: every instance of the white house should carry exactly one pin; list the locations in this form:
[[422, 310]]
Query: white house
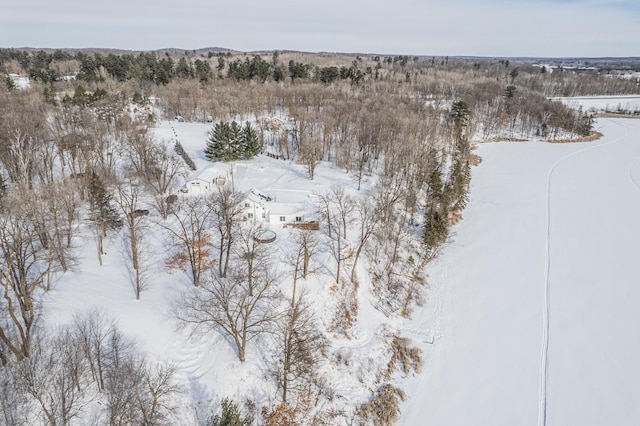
[[278, 207], [287, 213], [208, 179], [254, 205], [271, 206]]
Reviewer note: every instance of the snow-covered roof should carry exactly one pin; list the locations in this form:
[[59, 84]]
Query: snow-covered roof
[[282, 202], [211, 173]]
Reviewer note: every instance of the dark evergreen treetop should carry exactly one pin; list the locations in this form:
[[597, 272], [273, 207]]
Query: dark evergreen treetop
[[230, 142]]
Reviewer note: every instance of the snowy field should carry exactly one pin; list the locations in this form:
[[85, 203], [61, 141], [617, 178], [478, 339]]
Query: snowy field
[[534, 303], [596, 104]]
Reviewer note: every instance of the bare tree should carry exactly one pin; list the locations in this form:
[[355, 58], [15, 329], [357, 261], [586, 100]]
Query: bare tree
[[250, 253], [121, 380], [369, 129], [225, 204], [190, 236], [300, 345], [223, 304], [52, 212], [135, 390], [139, 392], [22, 134], [84, 142], [306, 246], [95, 337], [54, 375], [158, 166], [307, 139], [23, 268], [336, 207], [156, 394], [129, 196], [122, 376], [368, 220], [14, 402]]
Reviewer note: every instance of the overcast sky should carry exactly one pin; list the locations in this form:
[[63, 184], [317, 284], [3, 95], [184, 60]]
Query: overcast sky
[[540, 28]]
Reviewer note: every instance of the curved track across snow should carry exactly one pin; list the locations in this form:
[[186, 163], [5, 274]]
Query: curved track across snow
[[536, 298], [546, 298]]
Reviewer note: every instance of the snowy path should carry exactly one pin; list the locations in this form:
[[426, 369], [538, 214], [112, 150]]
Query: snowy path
[[546, 302], [556, 219]]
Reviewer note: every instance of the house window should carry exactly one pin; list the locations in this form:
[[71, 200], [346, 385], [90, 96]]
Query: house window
[[247, 205], [250, 215], [298, 218], [282, 218], [263, 215]]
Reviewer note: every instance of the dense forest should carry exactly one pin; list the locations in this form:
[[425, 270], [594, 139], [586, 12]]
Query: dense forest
[[76, 149]]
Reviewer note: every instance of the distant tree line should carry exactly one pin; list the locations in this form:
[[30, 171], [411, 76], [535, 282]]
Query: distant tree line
[[163, 68]]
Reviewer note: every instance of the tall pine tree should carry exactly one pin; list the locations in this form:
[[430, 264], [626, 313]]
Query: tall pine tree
[[102, 210], [235, 142], [250, 143], [217, 144]]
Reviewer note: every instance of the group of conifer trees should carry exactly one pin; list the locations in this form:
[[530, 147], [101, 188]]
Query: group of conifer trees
[[230, 142]]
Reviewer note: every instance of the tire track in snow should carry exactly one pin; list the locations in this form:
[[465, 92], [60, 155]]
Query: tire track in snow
[[546, 297], [631, 167], [633, 164]]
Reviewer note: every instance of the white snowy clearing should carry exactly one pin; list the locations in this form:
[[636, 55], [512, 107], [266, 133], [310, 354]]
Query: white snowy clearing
[[629, 104], [534, 303]]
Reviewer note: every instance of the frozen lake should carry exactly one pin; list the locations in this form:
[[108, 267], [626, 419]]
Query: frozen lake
[[534, 304]]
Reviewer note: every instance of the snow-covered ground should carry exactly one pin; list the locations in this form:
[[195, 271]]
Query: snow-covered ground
[[20, 81], [207, 365], [530, 315], [534, 303], [597, 104]]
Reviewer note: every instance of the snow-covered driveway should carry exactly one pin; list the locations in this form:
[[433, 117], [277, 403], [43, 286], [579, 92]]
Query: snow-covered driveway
[[535, 304]]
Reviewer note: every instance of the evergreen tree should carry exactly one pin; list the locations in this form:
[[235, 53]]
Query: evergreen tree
[[298, 70], [221, 63], [250, 142], [435, 186], [8, 81], [435, 219], [3, 188], [510, 91], [230, 415], [460, 114], [182, 153], [103, 209], [458, 187], [215, 149], [183, 69], [230, 142], [234, 146], [279, 73], [435, 228], [203, 70]]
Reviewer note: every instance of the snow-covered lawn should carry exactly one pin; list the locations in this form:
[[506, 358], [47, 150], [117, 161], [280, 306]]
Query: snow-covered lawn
[[534, 303], [207, 366]]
